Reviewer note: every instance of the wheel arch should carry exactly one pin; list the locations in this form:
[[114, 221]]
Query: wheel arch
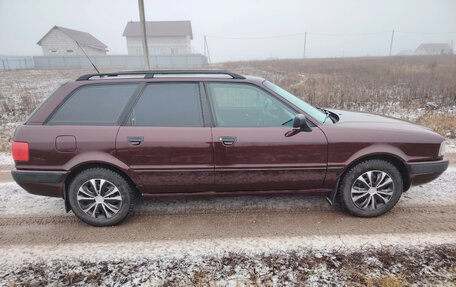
[[393, 159], [87, 165]]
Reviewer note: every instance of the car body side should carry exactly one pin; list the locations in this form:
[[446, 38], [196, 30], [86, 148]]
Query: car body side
[[414, 150]]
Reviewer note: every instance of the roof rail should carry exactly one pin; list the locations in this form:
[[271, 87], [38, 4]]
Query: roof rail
[[150, 74]]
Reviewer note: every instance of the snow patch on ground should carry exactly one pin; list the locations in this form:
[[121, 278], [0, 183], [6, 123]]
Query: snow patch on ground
[[236, 262], [178, 249], [6, 158], [441, 192], [450, 146]]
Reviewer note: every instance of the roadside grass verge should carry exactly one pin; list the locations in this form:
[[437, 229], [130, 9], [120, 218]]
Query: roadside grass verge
[[432, 265]]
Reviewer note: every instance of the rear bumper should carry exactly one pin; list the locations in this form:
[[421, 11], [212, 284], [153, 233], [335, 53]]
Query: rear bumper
[[47, 183], [424, 172]]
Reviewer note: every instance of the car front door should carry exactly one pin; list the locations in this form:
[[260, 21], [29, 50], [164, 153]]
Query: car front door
[[254, 149], [165, 140]]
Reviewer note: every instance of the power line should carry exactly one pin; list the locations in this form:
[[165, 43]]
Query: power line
[[426, 33], [256, 38], [325, 34], [349, 34]]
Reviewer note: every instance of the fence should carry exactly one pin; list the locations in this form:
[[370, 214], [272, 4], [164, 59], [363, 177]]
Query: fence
[[108, 61], [15, 63], [121, 61]]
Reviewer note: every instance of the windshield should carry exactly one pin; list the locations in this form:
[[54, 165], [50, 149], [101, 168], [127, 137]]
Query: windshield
[[309, 109]]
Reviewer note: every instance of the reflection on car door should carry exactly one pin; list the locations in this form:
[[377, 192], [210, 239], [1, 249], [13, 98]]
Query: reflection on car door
[[165, 141], [253, 149]]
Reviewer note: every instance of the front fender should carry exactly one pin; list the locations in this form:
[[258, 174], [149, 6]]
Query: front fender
[[338, 165]]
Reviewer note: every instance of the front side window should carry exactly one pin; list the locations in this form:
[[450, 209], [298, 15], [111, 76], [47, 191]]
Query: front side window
[[94, 105], [245, 105], [309, 109], [168, 105]]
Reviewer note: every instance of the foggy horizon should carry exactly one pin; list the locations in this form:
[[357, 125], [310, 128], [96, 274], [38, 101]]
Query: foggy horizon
[[240, 30]]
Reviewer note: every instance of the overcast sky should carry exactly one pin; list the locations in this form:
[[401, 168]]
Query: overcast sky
[[335, 28]]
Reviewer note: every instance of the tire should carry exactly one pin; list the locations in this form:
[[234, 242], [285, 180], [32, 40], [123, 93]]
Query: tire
[[100, 197], [371, 188]]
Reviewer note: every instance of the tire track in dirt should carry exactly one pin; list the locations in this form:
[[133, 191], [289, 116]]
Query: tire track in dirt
[[210, 225]]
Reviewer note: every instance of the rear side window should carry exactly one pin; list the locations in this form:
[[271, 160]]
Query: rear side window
[[94, 105], [168, 105]]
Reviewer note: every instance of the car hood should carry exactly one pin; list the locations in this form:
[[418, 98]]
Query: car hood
[[362, 117], [376, 122]]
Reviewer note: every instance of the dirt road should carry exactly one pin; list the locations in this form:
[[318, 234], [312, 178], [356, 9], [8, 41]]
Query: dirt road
[[150, 226], [27, 220], [37, 229]]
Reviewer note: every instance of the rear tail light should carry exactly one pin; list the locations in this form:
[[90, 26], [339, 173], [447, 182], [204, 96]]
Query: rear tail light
[[20, 151]]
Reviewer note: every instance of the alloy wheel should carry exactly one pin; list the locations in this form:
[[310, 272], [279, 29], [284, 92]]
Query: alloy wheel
[[372, 190], [99, 198]]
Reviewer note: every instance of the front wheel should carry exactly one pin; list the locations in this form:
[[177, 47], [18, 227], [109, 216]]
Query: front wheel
[[371, 188], [100, 197]]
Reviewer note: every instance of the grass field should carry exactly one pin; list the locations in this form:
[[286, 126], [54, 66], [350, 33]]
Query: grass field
[[421, 89]]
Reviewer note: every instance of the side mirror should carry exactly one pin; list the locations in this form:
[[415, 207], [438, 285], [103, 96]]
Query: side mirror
[[300, 123]]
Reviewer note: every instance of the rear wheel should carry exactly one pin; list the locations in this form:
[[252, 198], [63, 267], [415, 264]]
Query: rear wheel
[[371, 188], [100, 197]]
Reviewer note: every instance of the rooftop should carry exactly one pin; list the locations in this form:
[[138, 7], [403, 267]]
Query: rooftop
[[83, 38]]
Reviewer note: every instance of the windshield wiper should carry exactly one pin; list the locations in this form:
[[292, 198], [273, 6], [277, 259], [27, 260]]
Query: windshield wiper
[[328, 114]]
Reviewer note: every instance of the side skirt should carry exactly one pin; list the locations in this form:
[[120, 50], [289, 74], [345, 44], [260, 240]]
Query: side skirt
[[150, 196]]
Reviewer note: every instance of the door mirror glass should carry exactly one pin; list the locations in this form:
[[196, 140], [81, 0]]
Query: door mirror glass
[[300, 123]]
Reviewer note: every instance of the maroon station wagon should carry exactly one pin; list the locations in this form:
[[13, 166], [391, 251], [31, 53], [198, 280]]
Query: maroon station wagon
[[103, 140]]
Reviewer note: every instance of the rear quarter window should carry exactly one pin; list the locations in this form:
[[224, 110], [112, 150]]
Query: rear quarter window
[[94, 105]]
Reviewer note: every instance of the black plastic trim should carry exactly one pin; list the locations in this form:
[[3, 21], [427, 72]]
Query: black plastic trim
[[37, 176], [429, 167], [151, 73]]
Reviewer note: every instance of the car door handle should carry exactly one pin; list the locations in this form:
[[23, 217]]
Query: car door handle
[[228, 141], [135, 140]]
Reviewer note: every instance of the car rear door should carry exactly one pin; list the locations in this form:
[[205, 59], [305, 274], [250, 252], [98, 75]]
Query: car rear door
[[166, 141], [254, 149]]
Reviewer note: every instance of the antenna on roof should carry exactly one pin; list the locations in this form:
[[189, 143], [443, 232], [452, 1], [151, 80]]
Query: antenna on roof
[[87, 57]]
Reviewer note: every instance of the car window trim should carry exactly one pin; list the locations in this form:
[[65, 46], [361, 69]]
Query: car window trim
[[124, 123], [205, 106], [211, 103], [68, 97], [131, 104]]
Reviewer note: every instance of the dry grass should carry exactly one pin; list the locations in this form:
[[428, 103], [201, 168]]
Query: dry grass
[[443, 124], [335, 82], [408, 87], [430, 266], [416, 88]]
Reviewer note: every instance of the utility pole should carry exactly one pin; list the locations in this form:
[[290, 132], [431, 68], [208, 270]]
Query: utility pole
[[206, 50], [204, 44], [142, 18], [305, 42], [391, 44]]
